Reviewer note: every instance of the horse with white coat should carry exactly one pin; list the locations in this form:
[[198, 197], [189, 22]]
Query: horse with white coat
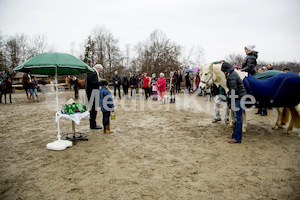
[[212, 74]]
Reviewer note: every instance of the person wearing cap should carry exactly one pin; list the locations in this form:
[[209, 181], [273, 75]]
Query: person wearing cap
[[250, 61], [236, 86], [92, 86]]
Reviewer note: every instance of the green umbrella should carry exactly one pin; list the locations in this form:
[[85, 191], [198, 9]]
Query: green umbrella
[[47, 63], [55, 64]]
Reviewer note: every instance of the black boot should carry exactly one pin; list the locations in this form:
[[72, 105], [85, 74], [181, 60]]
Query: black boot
[[93, 125]]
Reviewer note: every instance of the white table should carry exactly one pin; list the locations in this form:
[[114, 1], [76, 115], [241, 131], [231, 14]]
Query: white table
[[75, 119]]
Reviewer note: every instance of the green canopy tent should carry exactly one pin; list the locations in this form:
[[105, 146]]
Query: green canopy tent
[[55, 64]]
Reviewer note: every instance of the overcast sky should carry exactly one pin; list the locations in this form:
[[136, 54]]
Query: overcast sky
[[221, 27]]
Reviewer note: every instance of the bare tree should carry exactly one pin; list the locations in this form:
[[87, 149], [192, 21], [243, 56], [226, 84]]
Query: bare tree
[[103, 48], [158, 54], [193, 58], [127, 58], [38, 45], [2, 52], [15, 51], [235, 59], [89, 53]]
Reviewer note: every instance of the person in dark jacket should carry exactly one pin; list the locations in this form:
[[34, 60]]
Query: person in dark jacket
[[250, 61], [91, 86], [269, 66], [179, 80], [33, 88], [133, 85], [125, 85], [188, 82], [3, 77], [235, 85], [107, 106], [117, 83], [173, 83]]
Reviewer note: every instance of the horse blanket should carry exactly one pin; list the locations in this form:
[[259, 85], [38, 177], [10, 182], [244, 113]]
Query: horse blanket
[[282, 90], [267, 74]]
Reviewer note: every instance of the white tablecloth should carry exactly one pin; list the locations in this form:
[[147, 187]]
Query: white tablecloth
[[75, 117]]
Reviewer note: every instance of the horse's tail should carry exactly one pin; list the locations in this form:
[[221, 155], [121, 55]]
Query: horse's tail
[[286, 115], [295, 117]]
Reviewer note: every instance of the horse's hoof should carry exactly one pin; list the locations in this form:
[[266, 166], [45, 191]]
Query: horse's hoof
[[275, 128]]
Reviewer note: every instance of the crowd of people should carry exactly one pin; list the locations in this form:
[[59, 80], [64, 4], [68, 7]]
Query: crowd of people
[[155, 88], [152, 86]]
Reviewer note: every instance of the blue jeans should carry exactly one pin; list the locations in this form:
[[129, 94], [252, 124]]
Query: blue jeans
[[35, 92], [105, 119], [133, 90], [238, 125]]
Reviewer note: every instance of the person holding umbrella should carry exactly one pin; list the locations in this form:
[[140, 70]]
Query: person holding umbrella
[[188, 82], [92, 84]]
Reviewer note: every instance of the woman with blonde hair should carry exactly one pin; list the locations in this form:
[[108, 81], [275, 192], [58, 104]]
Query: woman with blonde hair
[[161, 86]]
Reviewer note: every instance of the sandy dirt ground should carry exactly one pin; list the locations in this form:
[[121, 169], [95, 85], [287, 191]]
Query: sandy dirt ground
[[158, 151]]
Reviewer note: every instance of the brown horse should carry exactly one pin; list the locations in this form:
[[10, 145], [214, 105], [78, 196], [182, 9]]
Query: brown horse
[[6, 89], [81, 82], [26, 85]]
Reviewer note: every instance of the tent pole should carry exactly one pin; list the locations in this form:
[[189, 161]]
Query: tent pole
[[58, 131]]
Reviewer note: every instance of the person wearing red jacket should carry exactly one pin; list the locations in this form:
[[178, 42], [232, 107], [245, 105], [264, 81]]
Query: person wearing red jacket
[[146, 81], [161, 86]]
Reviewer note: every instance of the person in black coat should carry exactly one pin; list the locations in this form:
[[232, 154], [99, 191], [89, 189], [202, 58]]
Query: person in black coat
[[125, 84], [92, 87], [179, 80], [236, 86], [250, 61], [117, 83], [188, 82], [133, 84]]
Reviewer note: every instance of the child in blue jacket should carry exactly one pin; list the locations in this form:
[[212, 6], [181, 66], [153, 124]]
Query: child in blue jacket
[[107, 106]]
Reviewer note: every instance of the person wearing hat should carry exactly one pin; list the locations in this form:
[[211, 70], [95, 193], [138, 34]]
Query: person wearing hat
[[92, 87], [250, 61], [236, 86]]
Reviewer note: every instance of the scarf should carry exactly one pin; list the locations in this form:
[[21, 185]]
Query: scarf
[[98, 75]]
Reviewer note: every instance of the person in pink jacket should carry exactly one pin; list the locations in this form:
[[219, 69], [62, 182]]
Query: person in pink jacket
[[161, 86]]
